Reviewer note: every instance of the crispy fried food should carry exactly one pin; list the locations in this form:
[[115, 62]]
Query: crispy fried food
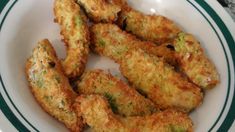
[[123, 99], [122, 3], [97, 114], [159, 82], [150, 74], [193, 61], [74, 29], [111, 41], [155, 28], [100, 10], [50, 87]]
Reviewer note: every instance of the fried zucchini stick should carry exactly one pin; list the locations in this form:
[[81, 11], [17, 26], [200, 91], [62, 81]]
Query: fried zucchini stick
[[74, 29], [150, 74], [193, 61], [111, 41], [122, 3], [155, 28], [159, 82], [50, 87], [100, 10], [96, 112], [123, 99]]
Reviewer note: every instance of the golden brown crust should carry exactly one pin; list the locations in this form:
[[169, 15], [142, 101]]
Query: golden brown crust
[[155, 28], [75, 32], [150, 74], [96, 112], [121, 3], [50, 87], [194, 62], [111, 41], [100, 10], [123, 99], [158, 80]]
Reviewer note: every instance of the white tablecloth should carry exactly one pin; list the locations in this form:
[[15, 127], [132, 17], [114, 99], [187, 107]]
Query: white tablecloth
[[232, 15]]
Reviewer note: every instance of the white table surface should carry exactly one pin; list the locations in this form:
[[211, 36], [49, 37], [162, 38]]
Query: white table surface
[[232, 15]]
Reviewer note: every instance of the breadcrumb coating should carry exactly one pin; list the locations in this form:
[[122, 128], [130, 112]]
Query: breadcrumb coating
[[100, 10], [111, 41], [50, 87], [97, 113], [156, 28], [160, 82], [194, 62], [75, 32], [124, 100]]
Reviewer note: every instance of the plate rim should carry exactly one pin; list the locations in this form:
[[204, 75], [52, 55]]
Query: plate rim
[[227, 122]]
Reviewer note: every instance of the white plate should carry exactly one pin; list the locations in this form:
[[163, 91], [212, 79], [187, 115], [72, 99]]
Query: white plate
[[24, 22]]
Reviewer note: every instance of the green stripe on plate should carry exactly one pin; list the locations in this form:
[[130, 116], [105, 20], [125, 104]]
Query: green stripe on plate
[[229, 80], [11, 117], [230, 41], [3, 3], [3, 105]]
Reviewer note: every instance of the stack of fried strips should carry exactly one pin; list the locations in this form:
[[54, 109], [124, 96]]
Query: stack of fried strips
[[166, 69]]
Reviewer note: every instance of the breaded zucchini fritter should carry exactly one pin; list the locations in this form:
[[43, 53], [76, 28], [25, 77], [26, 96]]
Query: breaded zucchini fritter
[[155, 28], [50, 87], [122, 3], [74, 28], [111, 41], [159, 82], [123, 99], [193, 61], [100, 10], [96, 112]]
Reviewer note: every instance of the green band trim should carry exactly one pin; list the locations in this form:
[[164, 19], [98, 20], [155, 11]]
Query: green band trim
[[228, 67], [3, 105], [11, 117], [230, 41], [3, 3]]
